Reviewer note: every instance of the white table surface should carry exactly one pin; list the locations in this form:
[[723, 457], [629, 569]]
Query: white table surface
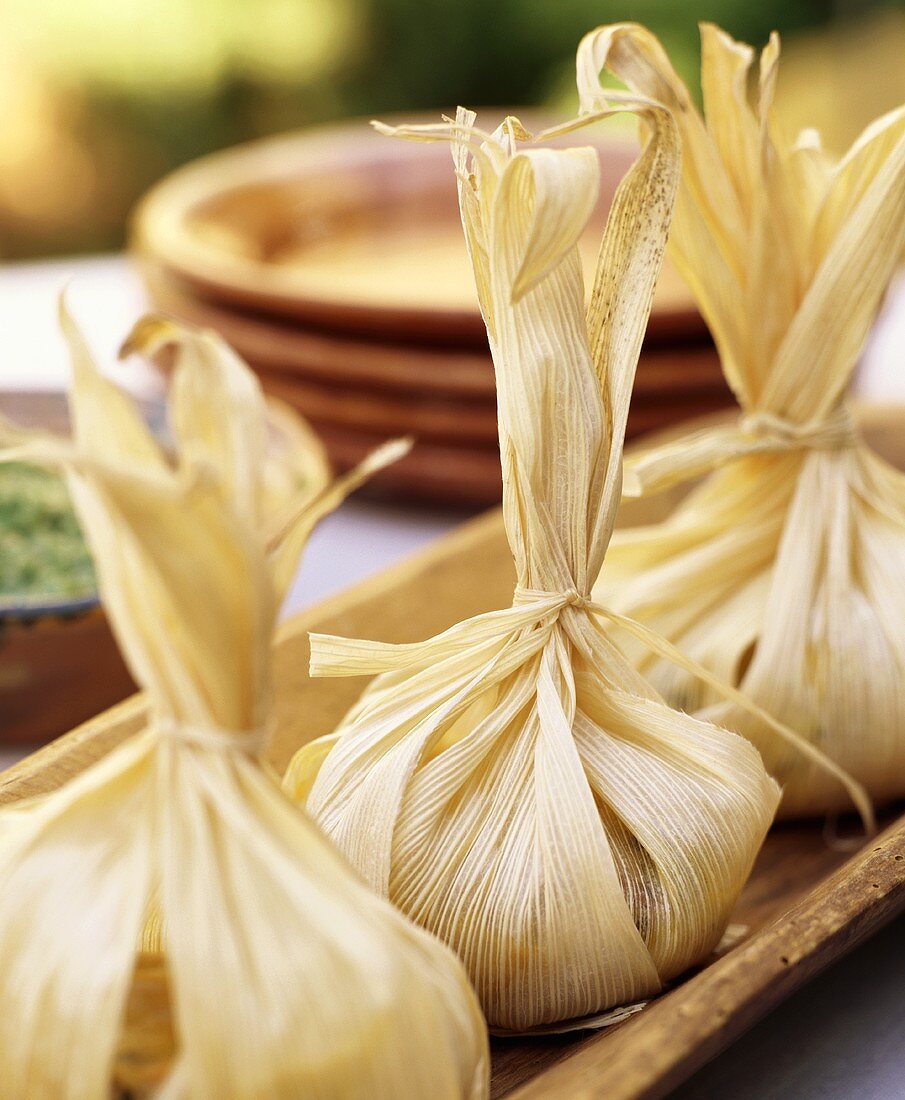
[[843, 1036]]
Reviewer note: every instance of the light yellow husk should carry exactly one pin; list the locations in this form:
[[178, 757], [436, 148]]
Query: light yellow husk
[[513, 784], [783, 571], [283, 976]]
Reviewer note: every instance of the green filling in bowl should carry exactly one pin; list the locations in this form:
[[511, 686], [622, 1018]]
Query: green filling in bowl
[[42, 550]]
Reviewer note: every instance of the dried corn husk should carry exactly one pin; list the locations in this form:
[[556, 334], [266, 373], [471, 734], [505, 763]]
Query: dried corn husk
[[783, 571], [513, 784], [282, 975]]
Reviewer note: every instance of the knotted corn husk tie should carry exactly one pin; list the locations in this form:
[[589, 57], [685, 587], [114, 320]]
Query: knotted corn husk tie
[[831, 434], [513, 784], [781, 572], [169, 922], [571, 597], [248, 742], [758, 432]]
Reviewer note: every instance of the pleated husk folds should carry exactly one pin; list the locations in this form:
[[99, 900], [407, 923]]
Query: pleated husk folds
[[782, 572], [283, 975], [513, 784]]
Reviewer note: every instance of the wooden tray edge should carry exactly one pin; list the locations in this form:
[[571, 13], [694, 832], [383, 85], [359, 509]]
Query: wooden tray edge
[[679, 1032]]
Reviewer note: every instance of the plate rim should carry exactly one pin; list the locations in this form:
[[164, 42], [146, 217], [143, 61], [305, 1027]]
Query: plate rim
[[159, 232]]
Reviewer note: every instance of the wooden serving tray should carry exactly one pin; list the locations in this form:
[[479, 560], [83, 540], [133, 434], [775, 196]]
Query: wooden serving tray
[[805, 905]]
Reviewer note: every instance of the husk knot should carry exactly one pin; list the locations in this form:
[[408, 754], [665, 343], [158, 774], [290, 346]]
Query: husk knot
[[250, 742], [568, 597], [834, 432]]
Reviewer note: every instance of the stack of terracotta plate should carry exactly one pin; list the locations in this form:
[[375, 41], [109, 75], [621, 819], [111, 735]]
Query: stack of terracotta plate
[[333, 261]]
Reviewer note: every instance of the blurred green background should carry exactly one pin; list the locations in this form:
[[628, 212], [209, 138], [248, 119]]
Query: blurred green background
[[102, 97]]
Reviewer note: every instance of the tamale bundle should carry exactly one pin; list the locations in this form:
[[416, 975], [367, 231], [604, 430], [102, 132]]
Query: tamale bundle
[[783, 571], [513, 784], [281, 974]]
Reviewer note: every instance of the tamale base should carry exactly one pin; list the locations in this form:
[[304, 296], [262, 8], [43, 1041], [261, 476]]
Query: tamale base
[[148, 1043], [807, 903]]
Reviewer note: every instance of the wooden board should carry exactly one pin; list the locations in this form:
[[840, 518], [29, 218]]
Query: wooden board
[[805, 905]]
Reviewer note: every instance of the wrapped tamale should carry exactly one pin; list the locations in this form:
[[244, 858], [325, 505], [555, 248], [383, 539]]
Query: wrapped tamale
[[268, 966], [783, 570], [513, 784]]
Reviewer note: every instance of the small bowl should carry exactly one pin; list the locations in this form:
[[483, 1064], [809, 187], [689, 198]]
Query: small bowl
[[59, 661], [59, 665]]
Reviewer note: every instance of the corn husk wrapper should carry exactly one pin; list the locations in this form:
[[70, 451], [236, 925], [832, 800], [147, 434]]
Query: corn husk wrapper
[[296, 468], [783, 571], [282, 974], [513, 784]]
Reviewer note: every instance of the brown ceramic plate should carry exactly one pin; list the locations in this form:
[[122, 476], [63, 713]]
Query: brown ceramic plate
[[441, 471], [432, 473], [341, 228], [277, 345], [460, 423]]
